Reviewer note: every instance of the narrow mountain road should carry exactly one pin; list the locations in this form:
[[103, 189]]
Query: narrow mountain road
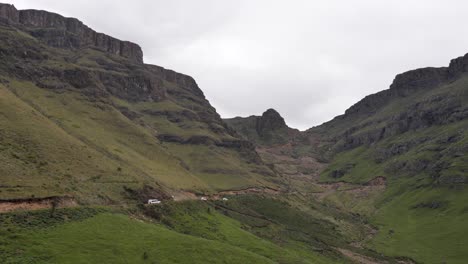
[[185, 195]]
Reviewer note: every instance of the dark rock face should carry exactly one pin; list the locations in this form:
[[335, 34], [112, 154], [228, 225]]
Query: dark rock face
[[338, 173], [383, 154], [9, 13], [426, 78], [61, 32], [458, 66], [267, 129], [246, 148], [184, 81], [436, 111], [135, 87], [269, 121], [430, 110], [78, 78], [410, 82]]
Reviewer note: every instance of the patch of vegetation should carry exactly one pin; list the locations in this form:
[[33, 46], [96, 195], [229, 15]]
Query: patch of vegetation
[[115, 238], [223, 222], [421, 214], [430, 234]]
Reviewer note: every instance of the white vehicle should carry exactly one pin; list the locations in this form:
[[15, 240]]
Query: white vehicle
[[225, 199], [203, 199], [154, 201]]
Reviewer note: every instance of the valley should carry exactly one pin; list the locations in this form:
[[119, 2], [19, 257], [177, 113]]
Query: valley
[[89, 133]]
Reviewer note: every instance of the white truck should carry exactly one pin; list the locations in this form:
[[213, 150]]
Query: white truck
[[154, 201]]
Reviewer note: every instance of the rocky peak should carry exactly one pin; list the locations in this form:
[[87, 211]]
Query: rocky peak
[[269, 121], [409, 82], [9, 12], [458, 66], [426, 78], [62, 32]]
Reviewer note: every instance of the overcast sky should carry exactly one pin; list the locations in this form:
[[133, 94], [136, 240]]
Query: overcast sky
[[310, 60]]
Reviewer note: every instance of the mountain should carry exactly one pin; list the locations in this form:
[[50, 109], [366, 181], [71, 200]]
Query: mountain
[[83, 116], [269, 128], [89, 133], [411, 140]]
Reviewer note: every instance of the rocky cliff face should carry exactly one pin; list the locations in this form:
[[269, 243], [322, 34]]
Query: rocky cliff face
[[61, 32], [270, 121], [424, 111], [269, 128], [426, 97], [410, 82], [417, 127]]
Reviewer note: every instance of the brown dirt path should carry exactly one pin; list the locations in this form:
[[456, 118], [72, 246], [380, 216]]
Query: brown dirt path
[[36, 204]]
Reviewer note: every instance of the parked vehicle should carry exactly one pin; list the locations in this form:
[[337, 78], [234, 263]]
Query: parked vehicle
[[154, 201]]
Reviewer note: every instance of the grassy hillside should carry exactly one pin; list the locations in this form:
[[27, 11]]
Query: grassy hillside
[[383, 183], [86, 123], [68, 145], [421, 214], [397, 158], [116, 238], [191, 232]]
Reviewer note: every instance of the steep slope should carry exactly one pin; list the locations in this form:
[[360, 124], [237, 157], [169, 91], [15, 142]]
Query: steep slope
[[81, 115], [399, 157], [267, 129], [415, 135], [417, 127], [88, 133], [291, 153]]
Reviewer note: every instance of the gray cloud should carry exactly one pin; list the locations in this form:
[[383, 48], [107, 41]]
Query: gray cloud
[[310, 60]]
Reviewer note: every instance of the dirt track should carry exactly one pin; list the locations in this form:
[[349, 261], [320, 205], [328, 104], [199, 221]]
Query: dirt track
[[362, 191], [185, 195], [36, 204]]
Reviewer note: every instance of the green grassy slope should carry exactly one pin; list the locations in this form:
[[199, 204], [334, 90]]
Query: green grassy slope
[[202, 220], [410, 227], [416, 216], [421, 214], [78, 122], [190, 232], [85, 150], [116, 238]]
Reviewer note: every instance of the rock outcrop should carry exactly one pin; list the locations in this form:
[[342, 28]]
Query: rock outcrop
[[425, 78], [409, 82], [62, 32], [267, 129], [269, 121]]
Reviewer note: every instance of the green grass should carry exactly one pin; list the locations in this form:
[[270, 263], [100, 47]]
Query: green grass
[[81, 144], [202, 220], [64, 144], [76, 147], [429, 235], [407, 225], [358, 164], [221, 168], [117, 238], [182, 232]]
